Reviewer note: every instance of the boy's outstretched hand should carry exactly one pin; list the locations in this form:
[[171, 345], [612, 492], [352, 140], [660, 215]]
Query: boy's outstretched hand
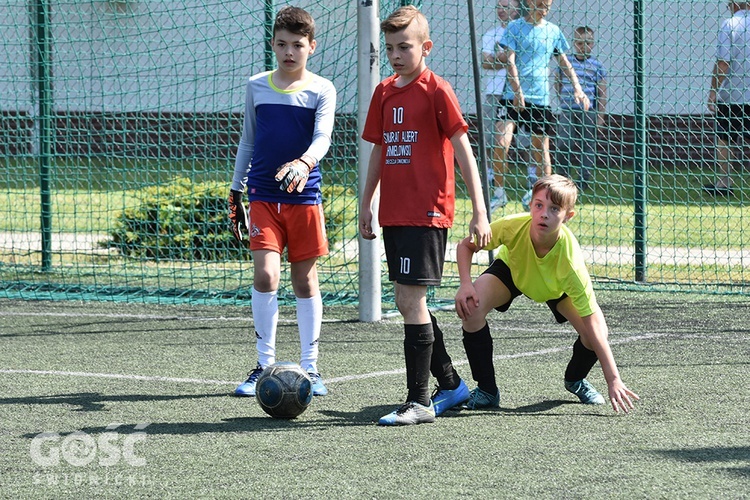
[[621, 397]]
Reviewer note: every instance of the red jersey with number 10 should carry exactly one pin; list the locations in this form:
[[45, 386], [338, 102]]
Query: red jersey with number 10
[[414, 124]]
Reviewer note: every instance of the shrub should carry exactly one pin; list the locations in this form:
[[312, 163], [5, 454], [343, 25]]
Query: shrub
[[178, 221], [183, 220]]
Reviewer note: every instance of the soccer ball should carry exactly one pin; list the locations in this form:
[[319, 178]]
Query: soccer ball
[[284, 390]]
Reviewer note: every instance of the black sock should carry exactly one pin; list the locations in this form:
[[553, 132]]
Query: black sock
[[418, 340], [478, 347], [441, 365], [581, 363]]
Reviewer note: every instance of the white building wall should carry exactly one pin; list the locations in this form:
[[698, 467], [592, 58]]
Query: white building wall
[[195, 55], [680, 39]]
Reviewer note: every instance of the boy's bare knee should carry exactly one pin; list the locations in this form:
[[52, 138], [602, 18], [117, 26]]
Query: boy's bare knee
[[264, 283]]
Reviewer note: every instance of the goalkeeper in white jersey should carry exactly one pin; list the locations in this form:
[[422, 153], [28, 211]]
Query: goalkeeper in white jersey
[[289, 115]]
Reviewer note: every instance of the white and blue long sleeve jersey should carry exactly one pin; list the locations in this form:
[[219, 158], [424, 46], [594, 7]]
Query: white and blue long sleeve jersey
[[280, 126]]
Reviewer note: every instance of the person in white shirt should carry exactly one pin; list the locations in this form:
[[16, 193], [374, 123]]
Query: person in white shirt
[[729, 97], [495, 107]]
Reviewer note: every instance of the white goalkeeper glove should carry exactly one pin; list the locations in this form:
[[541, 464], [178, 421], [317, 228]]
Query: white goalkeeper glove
[[294, 174]]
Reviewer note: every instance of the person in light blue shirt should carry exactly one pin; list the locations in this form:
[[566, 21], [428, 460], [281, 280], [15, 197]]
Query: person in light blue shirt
[[529, 44], [495, 107], [577, 128]]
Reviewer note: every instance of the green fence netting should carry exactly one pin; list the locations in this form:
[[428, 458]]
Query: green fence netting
[[111, 108]]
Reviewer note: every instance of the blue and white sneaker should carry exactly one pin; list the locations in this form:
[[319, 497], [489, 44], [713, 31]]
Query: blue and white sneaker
[[526, 200], [445, 399], [247, 388], [480, 399], [585, 392], [318, 387], [410, 413]]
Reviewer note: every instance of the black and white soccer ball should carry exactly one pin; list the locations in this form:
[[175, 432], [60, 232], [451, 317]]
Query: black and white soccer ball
[[284, 390]]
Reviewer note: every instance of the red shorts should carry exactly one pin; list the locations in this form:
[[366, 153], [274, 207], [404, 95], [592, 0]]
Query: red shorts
[[299, 228]]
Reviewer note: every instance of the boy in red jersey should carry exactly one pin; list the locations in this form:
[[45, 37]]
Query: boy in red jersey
[[416, 126]]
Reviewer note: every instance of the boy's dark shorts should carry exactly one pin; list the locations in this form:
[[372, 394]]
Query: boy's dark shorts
[[415, 255], [501, 271], [500, 110], [538, 120], [732, 121]]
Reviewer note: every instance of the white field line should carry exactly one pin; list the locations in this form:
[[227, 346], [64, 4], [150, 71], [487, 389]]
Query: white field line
[[497, 357], [155, 317], [621, 255], [346, 378], [594, 254]]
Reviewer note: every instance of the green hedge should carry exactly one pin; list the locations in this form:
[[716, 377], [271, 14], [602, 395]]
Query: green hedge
[[183, 220]]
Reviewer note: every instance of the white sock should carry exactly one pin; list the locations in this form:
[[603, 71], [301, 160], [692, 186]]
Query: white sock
[[309, 319], [265, 318]]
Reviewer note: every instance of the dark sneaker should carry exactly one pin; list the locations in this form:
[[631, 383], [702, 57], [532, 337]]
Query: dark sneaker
[[247, 388], [480, 399], [445, 399], [585, 392], [410, 413]]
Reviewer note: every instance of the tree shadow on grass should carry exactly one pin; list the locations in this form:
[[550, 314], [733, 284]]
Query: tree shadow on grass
[[532, 409], [95, 401], [368, 415], [224, 426], [262, 423], [714, 454], [542, 408]]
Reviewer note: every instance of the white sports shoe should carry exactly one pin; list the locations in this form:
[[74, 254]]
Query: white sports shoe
[[410, 413]]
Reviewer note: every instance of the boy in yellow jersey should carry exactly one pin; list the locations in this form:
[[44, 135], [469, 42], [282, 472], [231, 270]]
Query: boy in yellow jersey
[[539, 257]]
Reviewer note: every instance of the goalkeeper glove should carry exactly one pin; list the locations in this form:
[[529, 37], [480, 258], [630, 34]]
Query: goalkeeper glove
[[238, 215], [293, 175]]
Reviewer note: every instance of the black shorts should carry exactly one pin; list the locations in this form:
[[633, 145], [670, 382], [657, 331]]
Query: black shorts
[[732, 121], [415, 255], [500, 110], [538, 120], [501, 271]]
